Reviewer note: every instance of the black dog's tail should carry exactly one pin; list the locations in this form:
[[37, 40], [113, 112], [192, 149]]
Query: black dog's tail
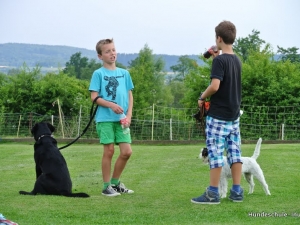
[[25, 193], [78, 195]]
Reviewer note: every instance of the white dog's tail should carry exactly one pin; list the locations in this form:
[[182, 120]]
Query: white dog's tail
[[257, 149]]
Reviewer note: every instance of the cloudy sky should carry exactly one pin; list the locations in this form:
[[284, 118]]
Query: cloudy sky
[[173, 27]]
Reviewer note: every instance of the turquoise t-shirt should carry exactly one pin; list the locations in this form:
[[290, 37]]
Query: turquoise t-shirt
[[113, 86]]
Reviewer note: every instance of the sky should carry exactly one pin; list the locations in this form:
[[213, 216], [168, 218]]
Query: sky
[[172, 27]]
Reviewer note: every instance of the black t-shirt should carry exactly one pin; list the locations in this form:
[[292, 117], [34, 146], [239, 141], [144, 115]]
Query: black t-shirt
[[225, 103]]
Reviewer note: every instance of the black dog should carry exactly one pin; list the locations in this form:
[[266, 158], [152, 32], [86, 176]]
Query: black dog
[[52, 174]]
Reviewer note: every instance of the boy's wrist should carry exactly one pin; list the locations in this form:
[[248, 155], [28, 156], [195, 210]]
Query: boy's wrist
[[201, 98]]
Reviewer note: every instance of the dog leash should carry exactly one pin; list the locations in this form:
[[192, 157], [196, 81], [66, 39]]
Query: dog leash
[[200, 117], [92, 114], [202, 122]]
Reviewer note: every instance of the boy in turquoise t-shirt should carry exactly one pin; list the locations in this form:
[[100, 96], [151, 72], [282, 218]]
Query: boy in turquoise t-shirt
[[112, 86]]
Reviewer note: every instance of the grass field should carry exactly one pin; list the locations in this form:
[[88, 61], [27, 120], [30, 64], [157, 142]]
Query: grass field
[[164, 179]]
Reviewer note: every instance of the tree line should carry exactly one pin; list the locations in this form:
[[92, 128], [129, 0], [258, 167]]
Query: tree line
[[266, 80]]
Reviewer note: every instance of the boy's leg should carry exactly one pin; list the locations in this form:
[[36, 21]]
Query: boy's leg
[[125, 153], [215, 142], [105, 132], [215, 174], [108, 153], [236, 192], [234, 159], [124, 141], [215, 145], [106, 135], [236, 171], [106, 166]]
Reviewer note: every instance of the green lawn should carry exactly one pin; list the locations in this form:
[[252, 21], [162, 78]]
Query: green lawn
[[164, 179]]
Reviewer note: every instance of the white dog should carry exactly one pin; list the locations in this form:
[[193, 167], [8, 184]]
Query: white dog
[[250, 168]]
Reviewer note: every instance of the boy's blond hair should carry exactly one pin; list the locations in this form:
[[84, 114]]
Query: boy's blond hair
[[101, 43]]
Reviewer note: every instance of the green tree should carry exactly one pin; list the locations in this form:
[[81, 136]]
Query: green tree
[[181, 70], [269, 82], [185, 64], [19, 90], [178, 92], [242, 46], [71, 93], [87, 72], [3, 92], [289, 54], [31, 91], [195, 83], [82, 68], [76, 64], [148, 78]]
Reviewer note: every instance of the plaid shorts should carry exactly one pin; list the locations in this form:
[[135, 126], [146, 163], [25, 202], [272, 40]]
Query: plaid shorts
[[222, 135]]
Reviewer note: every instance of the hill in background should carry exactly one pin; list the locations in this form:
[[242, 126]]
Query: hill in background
[[14, 55]]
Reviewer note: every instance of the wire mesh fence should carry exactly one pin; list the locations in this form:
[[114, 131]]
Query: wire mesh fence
[[163, 123]]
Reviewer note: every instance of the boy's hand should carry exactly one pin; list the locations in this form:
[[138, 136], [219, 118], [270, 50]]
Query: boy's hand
[[200, 103], [214, 54], [116, 108], [128, 120]]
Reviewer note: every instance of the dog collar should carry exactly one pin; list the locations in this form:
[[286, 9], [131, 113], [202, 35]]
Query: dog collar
[[44, 135]]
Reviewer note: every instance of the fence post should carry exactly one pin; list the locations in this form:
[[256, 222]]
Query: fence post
[[152, 122], [79, 120], [282, 131], [60, 118], [19, 126], [171, 130]]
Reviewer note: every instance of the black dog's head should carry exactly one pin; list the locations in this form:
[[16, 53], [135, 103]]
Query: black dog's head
[[204, 155], [42, 129]]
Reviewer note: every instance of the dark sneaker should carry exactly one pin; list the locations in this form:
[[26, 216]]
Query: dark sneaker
[[236, 197], [208, 197], [110, 192], [120, 188]]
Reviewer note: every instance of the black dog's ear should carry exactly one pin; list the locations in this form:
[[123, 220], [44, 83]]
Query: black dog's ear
[[33, 128], [204, 152], [52, 129]]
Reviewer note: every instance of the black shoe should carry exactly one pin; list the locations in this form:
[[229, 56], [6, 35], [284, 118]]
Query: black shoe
[[110, 192], [120, 188]]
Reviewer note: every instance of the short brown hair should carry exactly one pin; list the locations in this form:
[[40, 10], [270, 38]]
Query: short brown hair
[[101, 43], [227, 31]]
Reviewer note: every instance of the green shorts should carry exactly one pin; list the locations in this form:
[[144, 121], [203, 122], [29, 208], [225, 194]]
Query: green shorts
[[112, 132]]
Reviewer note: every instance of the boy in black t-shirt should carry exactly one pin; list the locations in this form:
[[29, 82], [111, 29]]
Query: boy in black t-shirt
[[222, 121]]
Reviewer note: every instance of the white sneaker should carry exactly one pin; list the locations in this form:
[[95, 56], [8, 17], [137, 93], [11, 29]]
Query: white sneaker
[[110, 192], [120, 188]]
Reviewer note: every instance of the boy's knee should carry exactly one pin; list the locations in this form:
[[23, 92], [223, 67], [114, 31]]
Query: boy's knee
[[109, 151], [126, 154]]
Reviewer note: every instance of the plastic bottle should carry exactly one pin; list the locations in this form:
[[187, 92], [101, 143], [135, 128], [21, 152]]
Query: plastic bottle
[[124, 124]]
